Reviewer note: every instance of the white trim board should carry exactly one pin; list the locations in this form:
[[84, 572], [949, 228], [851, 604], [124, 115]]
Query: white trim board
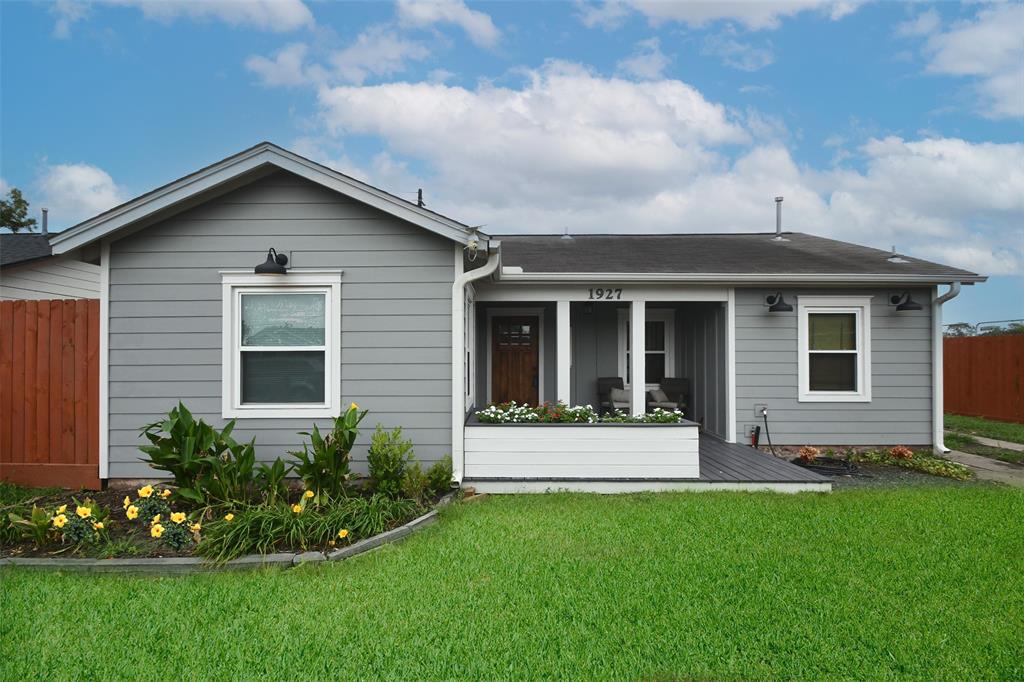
[[615, 487], [254, 159], [585, 290], [666, 315], [512, 312], [104, 379]]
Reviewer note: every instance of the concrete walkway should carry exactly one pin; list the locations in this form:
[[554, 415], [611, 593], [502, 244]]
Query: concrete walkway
[[989, 469], [991, 442]]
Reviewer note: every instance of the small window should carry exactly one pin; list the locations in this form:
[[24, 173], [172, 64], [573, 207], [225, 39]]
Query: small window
[[658, 339], [835, 362], [280, 346]]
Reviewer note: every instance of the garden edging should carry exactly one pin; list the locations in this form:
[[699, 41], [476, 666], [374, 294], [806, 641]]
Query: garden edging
[[182, 565]]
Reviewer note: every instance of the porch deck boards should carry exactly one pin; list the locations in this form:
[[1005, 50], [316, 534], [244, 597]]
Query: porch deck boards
[[732, 462]]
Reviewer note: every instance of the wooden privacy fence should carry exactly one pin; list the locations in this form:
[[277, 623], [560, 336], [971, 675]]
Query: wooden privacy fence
[[49, 392], [984, 376]]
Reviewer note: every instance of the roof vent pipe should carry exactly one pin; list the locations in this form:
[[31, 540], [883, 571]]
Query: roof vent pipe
[[565, 233], [778, 219], [46, 227]]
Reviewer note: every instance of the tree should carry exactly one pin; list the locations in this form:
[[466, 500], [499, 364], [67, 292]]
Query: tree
[[960, 329], [14, 212]]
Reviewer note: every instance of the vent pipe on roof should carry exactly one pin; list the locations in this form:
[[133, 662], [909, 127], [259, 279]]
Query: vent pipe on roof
[[778, 219], [565, 233], [46, 227]]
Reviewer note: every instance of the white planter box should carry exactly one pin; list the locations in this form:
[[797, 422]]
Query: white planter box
[[582, 451]]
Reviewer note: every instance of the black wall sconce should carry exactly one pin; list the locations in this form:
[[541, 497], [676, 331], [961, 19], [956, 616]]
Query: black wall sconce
[[274, 264], [904, 302], [777, 304]]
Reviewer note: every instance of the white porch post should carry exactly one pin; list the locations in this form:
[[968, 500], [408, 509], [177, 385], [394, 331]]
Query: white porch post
[[563, 361], [638, 356]]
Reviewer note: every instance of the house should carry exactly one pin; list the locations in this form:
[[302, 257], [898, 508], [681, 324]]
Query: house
[[361, 296], [30, 271]]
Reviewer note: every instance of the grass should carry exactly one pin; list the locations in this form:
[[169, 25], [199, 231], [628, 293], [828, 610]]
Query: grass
[[916, 583], [988, 428], [958, 441]]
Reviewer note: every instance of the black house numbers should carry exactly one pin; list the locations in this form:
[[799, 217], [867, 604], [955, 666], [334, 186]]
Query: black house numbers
[[601, 294]]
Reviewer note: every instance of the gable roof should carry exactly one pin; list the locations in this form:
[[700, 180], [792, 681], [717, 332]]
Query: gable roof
[[714, 257], [21, 248], [235, 167]]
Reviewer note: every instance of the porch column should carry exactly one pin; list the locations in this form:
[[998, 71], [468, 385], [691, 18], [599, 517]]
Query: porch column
[[563, 360], [637, 356]]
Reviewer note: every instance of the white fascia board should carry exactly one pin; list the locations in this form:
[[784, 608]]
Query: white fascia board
[[235, 166], [512, 277]]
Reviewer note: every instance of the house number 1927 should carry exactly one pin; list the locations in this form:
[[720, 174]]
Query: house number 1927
[[605, 294]]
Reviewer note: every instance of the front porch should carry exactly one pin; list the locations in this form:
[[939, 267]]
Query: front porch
[[723, 466]]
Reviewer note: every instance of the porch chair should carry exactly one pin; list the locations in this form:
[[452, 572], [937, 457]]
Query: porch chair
[[611, 395], [672, 394]]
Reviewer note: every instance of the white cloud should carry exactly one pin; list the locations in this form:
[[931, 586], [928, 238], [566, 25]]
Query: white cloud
[[647, 61], [737, 54], [923, 24], [988, 48], [76, 191], [425, 13], [266, 15], [755, 15], [378, 51], [287, 68]]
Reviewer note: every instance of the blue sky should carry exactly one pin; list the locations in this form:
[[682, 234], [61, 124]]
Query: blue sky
[[882, 123]]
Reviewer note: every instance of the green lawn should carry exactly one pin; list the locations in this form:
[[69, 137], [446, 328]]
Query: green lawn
[[921, 582], [988, 428]]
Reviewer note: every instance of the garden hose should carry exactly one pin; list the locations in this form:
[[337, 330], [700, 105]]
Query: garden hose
[[767, 433]]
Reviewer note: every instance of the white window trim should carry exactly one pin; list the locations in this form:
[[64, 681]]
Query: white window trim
[[859, 306], [668, 316], [235, 283]]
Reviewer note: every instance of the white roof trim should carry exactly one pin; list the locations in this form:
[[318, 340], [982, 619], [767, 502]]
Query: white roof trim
[[249, 160], [510, 276]]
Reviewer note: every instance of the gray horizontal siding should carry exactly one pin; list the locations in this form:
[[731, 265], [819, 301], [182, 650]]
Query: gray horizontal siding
[[901, 381], [165, 308]]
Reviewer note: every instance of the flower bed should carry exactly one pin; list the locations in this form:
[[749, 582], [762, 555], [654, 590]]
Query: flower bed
[[221, 504], [560, 413]]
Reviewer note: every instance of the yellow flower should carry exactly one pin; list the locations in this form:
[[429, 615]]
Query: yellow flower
[[156, 531], [156, 519], [229, 517], [297, 508], [308, 494], [98, 525], [166, 493], [61, 509], [83, 512], [127, 502], [195, 527], [343, 533], [132, 512], [178, 517], [353, 406], [59, 520], [145, 491]]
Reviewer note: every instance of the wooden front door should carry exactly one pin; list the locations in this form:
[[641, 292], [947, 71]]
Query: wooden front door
[[515, 359]]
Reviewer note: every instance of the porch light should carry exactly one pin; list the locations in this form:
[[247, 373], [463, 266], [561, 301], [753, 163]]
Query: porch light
[[274, 264], [904, 302], [777, 304]]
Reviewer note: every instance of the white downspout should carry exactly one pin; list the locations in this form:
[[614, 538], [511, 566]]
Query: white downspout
[[938, 431], [459, 357]]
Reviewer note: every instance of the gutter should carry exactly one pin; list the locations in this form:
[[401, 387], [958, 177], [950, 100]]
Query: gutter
[[938, 432], [515, 275], [459, 355]]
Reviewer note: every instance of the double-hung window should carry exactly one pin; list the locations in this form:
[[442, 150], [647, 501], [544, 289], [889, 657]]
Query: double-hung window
[[659, 356], [835, 348], [281, 345]]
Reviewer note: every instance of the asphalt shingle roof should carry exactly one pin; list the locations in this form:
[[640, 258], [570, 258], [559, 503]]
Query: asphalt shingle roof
[[18, 248], [748, 254]]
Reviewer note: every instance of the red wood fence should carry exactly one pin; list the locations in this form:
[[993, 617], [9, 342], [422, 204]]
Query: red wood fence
[[49, 392], [984, 376]]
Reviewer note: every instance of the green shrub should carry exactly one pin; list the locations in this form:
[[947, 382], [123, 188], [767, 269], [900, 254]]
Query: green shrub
[[440, 475], [35, 527], [85, 523], [323, 465], [262, 529], [388, 457], [270, 479], [415, 483]]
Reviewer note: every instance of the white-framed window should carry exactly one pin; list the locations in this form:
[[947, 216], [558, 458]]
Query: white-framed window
[[281, 344], [659, 356], [834, 336]]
